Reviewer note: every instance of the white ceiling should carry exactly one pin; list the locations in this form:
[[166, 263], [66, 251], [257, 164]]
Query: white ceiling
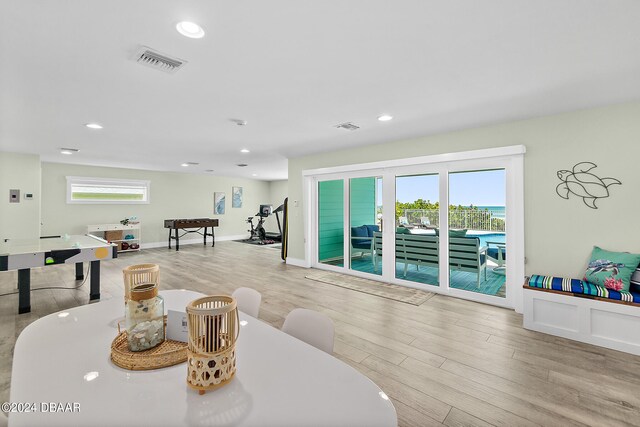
[[294, 69]]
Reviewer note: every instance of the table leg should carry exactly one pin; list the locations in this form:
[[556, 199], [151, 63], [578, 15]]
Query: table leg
[[213, 237], [205, 236], [79, 271], [94, 292], [169, 238], [177, 240], [24, 290]]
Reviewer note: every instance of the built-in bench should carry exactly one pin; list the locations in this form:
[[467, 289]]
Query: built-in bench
[[465, 253], [578, 310]]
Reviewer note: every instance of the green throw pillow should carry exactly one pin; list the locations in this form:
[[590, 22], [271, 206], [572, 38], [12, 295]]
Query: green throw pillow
[[454, 233], [403, 230], [612, 270]]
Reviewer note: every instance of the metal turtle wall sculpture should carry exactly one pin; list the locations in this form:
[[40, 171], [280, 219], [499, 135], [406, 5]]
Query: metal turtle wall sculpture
[[580, 182]]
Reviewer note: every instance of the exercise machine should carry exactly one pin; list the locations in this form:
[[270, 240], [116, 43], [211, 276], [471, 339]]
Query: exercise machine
[[272, 235], [258, 231]]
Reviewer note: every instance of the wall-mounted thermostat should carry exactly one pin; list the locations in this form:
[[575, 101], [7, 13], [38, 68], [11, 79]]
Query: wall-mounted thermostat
[[14, 196]]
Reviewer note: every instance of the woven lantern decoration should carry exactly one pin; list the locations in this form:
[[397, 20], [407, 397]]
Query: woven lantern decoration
[[213, 331], [138, 274]]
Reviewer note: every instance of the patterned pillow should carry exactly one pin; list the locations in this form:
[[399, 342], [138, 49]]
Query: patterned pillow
[[612, 270]]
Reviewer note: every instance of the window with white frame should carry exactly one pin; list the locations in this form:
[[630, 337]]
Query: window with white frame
[[107, 190]]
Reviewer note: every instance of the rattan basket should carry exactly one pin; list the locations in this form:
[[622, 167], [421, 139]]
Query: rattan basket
[[168, 353], [213, 331]]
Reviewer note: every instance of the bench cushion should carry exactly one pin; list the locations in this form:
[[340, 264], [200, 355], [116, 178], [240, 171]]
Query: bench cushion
[[578, 286]]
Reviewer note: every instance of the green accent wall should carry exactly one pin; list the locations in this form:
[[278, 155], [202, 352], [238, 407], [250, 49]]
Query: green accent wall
[[363, 201], [330, 219]]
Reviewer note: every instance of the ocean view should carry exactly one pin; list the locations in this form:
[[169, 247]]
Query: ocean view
[[498, 211]]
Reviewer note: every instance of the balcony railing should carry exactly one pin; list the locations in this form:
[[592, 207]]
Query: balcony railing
[[469, 219]]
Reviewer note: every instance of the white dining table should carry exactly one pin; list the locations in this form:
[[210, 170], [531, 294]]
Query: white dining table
[[64, 359]]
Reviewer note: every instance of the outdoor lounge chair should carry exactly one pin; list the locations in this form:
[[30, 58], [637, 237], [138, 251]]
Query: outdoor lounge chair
[[497, 255], [403, 221]]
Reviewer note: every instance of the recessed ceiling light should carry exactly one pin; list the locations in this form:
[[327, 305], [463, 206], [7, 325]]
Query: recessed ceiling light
[[190, 29], [385, 118], [185, 165], [244, 150], [254, 174], [68, 151], [93, 126], [239, 122]]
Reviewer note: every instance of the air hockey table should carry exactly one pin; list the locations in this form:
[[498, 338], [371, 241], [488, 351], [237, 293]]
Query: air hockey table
[[25, 254]]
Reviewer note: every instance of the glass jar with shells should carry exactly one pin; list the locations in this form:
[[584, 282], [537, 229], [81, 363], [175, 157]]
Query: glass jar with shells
[[144, 317]]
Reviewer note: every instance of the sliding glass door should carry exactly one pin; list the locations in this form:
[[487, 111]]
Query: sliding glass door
[[447, 231], [331, 222], [417, 216], [477, 237], [365, 218]]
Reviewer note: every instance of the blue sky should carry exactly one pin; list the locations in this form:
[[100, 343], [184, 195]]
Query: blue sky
[[483, 188]]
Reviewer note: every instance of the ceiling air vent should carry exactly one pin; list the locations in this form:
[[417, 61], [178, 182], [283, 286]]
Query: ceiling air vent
[[242, 165], [348, 126], [159, 61]]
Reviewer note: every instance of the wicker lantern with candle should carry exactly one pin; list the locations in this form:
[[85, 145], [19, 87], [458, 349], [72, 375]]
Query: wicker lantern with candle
[[213, 331], [137, 274]]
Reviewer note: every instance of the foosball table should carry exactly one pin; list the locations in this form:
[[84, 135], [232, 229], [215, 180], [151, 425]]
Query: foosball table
[[193, 225]]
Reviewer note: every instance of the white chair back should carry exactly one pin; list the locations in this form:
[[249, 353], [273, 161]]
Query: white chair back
[[311, 327], [248, 301], [403, 220]]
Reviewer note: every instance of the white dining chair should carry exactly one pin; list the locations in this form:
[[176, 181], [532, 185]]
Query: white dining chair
[[248, 301], [311, 327]]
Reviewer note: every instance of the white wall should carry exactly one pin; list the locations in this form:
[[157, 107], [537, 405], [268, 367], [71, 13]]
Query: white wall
[[22, 172], [173, 195], [559, 234]]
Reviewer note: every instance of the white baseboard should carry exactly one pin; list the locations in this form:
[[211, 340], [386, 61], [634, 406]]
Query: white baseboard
[[164, 243], [298, 262]]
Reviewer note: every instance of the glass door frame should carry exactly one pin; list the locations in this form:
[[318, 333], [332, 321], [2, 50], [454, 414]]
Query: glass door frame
[[511, 159], [314, 220]]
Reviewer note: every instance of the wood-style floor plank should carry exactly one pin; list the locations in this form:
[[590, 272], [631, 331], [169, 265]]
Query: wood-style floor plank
[[447, 362]]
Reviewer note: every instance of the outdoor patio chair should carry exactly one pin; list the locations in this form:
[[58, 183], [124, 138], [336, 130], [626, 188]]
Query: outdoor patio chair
[[498, 255]]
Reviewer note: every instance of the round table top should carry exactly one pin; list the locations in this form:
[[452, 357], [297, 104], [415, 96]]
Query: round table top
[[64, 358]]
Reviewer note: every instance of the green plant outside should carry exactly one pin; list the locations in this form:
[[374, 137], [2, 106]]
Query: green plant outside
[[106, 196], [456, 213]]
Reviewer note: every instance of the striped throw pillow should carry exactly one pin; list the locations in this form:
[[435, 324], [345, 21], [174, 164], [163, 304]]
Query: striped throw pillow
[[635, 280]]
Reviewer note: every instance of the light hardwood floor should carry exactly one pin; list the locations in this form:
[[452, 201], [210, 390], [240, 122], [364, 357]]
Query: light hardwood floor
[[447, 362]]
